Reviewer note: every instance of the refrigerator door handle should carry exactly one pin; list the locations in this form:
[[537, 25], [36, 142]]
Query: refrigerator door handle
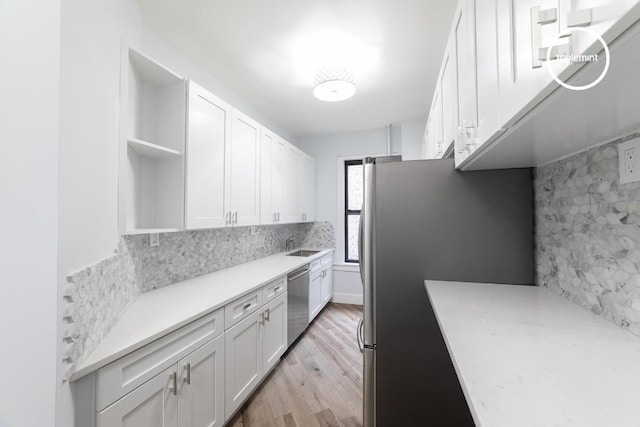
[[359, 334], [360, 245]]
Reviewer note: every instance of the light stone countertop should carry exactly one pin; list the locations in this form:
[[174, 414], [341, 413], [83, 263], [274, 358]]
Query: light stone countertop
[[159, 312], [527, 357]]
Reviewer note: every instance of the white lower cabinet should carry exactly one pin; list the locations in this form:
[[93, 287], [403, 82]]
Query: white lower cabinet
[[320, 285], [254, 346], [244, 360], [274, 341], [315, 293], [187, 394], [198, 375], [201, 391], [150, 405]]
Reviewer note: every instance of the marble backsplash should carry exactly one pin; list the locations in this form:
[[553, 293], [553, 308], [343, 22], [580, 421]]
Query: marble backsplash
[[98, 295], [182, 256], [588, 234]]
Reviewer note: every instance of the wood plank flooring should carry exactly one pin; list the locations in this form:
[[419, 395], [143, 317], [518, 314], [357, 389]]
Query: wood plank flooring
[[318, 383]]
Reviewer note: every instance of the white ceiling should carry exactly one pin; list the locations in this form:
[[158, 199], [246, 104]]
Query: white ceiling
[[268, 50]]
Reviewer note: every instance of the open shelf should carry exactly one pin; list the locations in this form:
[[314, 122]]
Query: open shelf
[[153, 132], [154, 151]]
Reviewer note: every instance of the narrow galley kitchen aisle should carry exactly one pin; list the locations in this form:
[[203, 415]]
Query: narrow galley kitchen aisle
[[319, 380]]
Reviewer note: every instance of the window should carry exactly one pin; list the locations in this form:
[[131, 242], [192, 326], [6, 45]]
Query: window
[[353, 196]]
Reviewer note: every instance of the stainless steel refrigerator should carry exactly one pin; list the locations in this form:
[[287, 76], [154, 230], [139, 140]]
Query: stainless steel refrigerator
[[425, 220]]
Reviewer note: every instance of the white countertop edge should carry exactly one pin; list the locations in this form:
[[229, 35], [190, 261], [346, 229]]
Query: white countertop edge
[[111, 348]]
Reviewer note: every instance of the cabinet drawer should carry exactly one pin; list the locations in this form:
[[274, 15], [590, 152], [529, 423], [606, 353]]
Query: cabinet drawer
[[273, 289], [328, 259], [241, 308], [315, 265], [127, 373]]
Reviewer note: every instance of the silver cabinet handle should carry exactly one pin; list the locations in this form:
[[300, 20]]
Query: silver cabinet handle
[[539, 18], [188, 368], [278, 216], [227, 218], [261, 319], [174, 383], [267, 314], [276, 289], [235, 217], [274, 217], [246, 306]]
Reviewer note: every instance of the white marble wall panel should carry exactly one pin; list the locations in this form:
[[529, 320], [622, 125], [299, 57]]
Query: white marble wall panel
[[588, 234]]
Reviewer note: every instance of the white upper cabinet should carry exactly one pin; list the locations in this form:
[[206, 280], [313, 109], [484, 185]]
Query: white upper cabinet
[[152, 134], [448, 95], [272, 151], [524, 81], [291, 204], [463, 40], [243, 176], [503, 84], [208, 135], [306, 189], [189, 160]]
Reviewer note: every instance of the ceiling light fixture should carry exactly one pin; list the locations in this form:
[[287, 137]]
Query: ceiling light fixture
[[334, 84]]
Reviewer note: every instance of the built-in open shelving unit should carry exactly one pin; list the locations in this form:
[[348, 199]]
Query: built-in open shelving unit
[[153, 122]]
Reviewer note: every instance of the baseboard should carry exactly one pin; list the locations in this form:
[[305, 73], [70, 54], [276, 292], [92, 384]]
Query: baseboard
[[347, 299]]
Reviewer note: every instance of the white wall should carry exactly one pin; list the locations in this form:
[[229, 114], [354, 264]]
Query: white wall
[[326, 150], [412, 138], [29, 114]]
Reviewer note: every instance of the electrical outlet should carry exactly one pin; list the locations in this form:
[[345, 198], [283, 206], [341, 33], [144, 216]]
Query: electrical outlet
[[629, 154], [629, 163], [154, 240]]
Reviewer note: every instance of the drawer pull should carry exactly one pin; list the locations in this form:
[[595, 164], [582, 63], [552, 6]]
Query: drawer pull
[[267, 314], [246, 306], [277, 288], [188, 368]]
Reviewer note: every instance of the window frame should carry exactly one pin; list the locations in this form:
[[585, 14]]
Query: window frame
[[349, 212]]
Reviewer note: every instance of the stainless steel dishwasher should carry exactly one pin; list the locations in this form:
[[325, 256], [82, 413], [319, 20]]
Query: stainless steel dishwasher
[[297, 303]]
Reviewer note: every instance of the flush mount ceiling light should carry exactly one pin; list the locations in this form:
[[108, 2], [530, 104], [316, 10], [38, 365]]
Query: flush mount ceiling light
[[334, 84]]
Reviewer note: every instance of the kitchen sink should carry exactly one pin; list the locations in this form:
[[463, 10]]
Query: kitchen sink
[[303, 253]]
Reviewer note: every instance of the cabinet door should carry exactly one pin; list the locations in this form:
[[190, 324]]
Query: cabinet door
[[201, 396], [486, 40], [449, 89], [306, 191], [278, 178], [291, 206], [208, 132], [153, 404], [243, 188], [437, 123], [521, 84], [267, 148], [464, 44], [243, 360], [315, 294], [274, 341], [327, 286]]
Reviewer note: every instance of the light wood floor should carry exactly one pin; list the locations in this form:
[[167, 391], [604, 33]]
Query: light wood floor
[[318, 383]]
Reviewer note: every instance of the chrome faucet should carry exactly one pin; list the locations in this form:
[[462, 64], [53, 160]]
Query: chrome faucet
[[290, 244]]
